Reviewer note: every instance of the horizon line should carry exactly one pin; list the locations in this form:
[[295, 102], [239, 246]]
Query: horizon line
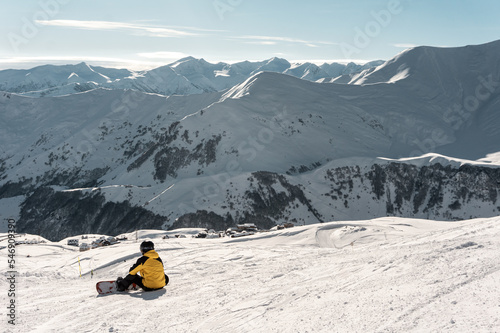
[[26, 63]]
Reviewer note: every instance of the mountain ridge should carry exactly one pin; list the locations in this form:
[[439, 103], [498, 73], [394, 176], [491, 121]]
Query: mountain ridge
[[270, 149], [184, 76]]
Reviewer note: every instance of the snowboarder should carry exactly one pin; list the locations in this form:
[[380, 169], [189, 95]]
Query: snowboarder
[[150, 267]]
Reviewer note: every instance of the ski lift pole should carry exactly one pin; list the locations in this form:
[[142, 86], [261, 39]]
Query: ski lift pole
[[91, 267], [79, 266]]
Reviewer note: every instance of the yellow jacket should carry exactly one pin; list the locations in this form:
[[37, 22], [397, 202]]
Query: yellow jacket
[[150, 267]]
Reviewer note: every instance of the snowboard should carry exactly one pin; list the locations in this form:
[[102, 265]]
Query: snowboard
[[110, 287]]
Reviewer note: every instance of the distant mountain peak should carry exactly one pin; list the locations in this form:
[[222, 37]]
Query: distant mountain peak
[[188, 75], [180, 61], [261, 82], [277, 60]]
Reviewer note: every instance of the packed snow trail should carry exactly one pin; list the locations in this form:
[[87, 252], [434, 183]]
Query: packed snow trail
[[383, 275]]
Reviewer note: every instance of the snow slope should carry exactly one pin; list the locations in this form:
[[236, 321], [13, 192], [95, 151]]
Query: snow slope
[[383, 275]]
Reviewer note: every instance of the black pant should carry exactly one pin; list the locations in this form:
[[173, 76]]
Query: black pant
[[137, 279]]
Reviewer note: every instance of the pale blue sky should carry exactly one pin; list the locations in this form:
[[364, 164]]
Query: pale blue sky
[[144, 34]]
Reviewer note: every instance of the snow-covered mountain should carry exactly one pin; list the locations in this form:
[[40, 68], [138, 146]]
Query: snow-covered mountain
[[183, 77], [270, 149], [48, 79]]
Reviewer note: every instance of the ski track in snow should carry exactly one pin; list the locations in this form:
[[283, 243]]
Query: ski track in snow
[[383, 275]]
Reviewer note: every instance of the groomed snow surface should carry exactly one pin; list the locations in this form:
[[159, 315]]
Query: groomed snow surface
[[382, 275]]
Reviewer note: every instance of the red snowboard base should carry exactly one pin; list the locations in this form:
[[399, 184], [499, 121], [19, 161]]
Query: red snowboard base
[[110, 287]]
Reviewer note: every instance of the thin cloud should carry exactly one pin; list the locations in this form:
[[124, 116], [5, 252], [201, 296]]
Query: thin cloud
[[29, 62], [162, 55], [141, 29], [272, 40], [263, 42], [196, 29]]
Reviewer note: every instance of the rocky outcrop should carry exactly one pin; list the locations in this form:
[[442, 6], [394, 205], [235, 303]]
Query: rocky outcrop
[[58, 214], [170, 159], [433, 191], [266, 201], [269, 199], [203, 219]]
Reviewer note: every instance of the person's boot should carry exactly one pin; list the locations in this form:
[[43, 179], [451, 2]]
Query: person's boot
[[121, 284]]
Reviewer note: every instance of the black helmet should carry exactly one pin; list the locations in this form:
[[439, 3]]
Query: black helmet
[[147, 246]]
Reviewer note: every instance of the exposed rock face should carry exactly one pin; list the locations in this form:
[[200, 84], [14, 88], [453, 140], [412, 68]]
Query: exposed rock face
[[393, 189], [269, 197], [203, 219], [268, 202], [10, 189], [56, 215], [170, 159], [433, 191]]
